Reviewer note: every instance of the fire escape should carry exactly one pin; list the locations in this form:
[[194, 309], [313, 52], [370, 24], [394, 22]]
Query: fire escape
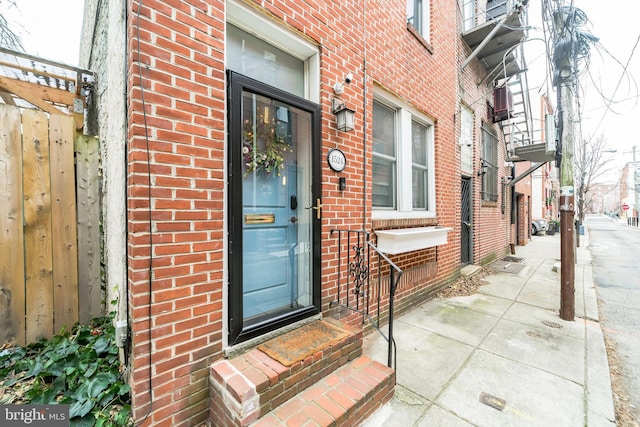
[[495, 31]]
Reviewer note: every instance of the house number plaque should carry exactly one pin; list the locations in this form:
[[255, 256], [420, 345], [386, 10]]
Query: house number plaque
[[337, 160]]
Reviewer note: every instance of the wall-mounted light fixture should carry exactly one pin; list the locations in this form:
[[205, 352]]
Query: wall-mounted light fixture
[[344, 115], [483, 168]]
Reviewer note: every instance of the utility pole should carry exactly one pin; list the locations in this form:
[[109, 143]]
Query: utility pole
[[635, 183], [567, 204], [564, 57]]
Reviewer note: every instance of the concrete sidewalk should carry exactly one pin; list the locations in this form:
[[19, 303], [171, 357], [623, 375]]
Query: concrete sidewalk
[[505, 345]]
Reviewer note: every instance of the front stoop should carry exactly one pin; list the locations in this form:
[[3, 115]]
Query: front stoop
[[347, 397], [336, 386]]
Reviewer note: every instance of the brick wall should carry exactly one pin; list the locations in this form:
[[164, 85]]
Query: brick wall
[[177, 313], [182, 137], [491, 227]]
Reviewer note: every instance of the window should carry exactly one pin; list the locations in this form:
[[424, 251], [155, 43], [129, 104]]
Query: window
[[403, 177], [293, 66], [418, 17], [419, 165], [468, 14], [384, 156], [489, 165], [466, 140]]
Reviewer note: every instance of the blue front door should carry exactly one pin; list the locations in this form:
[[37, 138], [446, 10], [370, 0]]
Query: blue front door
[[272, 193], [269, 233]]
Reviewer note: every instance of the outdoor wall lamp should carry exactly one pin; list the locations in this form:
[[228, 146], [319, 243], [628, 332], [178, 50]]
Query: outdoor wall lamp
[[483, 169], [344, 115]]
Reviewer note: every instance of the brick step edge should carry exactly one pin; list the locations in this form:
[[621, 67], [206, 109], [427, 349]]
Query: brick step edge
[[248, 386], [346, 397]]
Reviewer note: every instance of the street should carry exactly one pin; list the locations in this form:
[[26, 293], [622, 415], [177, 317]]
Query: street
[[614, 248]]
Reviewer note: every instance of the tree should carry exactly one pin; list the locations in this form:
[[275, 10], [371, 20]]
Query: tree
[[8, 38], [590, 163]]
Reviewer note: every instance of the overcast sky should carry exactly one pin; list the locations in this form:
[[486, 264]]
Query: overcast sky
[[48, 28], [605, 81]]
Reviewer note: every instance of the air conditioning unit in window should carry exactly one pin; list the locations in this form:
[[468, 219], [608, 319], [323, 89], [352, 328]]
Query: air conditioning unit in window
[[502, 104]]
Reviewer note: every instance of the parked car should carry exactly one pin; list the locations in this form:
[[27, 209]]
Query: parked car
[[538, 226]]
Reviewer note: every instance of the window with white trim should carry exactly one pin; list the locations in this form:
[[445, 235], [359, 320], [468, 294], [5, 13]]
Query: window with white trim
[[466, 140], [266, 51], [418, 16], [489, 165], [403, 167]]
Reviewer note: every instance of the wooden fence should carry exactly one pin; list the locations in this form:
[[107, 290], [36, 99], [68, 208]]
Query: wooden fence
[[49, 261]]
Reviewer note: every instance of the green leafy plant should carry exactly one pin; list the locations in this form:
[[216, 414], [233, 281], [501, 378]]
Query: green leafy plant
[[264, 149], [80, 368]]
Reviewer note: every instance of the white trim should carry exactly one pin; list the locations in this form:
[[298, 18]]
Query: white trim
[[405, 114], [260, 26]]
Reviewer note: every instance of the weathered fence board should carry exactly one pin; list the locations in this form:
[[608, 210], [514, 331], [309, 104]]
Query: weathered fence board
[[87, 181], [47, 217], [63, 221], [37, 224], [12, 285]]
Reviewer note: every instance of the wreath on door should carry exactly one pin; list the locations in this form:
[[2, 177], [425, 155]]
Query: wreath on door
[[263, 149]]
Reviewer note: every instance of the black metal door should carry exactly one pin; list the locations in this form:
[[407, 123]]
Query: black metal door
[[466, 228]]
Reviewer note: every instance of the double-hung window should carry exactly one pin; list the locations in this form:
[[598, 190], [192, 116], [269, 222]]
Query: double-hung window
[[403, 176], [489, 166], [418, 17]]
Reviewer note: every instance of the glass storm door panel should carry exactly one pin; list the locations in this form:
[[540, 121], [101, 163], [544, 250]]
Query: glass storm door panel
[[272, 223], [269, 206]]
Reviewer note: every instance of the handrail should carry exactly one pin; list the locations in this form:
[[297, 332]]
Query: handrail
[[358, 284]]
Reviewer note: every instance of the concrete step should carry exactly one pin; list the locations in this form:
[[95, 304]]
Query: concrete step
[[346, 397]]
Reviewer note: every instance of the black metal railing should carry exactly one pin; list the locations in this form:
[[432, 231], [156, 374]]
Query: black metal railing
[[356, 292]]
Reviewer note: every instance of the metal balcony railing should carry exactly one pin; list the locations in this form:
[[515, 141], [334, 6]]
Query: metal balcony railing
[[477, 12]]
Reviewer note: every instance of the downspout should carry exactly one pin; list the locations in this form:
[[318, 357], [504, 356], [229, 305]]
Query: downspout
[[364, 146], [364, 117]]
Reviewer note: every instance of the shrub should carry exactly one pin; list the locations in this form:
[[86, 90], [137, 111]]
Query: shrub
[[80, 368]]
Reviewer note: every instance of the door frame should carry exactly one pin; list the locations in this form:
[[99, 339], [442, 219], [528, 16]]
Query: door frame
[[236, 84]]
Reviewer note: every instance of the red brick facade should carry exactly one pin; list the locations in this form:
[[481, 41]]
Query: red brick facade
[[492, 228], [177, 163]]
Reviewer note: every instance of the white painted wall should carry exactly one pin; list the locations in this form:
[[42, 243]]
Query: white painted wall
[[103, 51]]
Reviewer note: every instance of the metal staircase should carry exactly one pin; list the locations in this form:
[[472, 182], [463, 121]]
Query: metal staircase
[[518, 127]]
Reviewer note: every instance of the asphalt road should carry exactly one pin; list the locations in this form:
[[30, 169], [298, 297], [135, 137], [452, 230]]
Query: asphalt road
[[615, 252]]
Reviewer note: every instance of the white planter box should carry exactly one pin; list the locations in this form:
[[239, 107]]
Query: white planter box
[[411, 239]]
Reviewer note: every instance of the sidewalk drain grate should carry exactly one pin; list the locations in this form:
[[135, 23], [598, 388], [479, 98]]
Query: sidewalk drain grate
[[493, 401], [513, 259], [551, 324]]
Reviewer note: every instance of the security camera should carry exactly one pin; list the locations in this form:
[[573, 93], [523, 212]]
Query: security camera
[[348, 78]]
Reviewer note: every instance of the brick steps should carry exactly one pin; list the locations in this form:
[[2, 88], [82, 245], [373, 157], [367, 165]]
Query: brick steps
[[333, 387], [344, 398]]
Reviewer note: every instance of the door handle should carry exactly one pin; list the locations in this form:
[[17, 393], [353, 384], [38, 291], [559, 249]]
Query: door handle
[[468, 224], [318, 208]]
